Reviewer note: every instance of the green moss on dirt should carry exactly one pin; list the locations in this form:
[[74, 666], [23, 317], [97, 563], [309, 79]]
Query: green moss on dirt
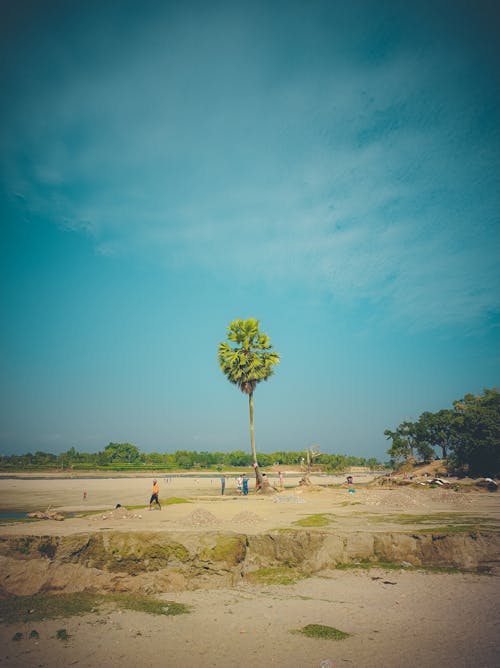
[[459, 528], [448, 518], [229, 549], [152, 606], [127, 552], [365, 564], [15, 609], [323, 632], [278, 575], [317, 520], [23, 545]]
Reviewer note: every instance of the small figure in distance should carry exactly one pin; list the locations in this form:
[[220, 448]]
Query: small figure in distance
[[223, 484], [245, 485], [280, 479], [349, 479], [154, 495]]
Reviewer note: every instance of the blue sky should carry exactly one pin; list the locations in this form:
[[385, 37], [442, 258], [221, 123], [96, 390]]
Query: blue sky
[[168, 167]]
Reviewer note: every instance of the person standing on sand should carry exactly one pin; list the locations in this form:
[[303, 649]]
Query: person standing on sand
[[154, 495], [245, 485], [223, 484], [280, 479]]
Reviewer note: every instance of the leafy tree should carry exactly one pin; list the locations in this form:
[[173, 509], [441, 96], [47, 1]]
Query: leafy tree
[[440, 429], [238, 458], [121, 453], [408, 432], [246, 363], [477, 447], [185, 458], [425, 451], [399, 448]]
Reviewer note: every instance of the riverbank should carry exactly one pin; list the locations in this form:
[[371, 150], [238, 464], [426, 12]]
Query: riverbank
[[219, 555]]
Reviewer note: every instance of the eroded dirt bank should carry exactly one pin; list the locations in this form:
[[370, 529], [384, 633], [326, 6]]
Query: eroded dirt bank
[[161, 562]]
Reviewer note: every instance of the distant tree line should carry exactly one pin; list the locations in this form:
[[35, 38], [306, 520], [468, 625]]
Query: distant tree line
[[467, 435], [126, 456]]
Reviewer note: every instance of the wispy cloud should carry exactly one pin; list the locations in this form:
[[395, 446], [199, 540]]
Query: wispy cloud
[[366, 180]]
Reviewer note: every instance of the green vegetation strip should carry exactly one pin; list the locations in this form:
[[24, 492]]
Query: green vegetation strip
[[174, 499], [275, 576], [365, 564], [40, 607], [323, 632], [318, 520], [448, 518], [460, 528]]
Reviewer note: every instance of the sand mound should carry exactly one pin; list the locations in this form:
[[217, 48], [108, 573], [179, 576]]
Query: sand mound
[[403, 498], [246, 517], [117, 514], [202, 518], [288, 498], [451, 497]]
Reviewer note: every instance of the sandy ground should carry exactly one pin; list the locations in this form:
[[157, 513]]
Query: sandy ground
[[29, 492], [396, 618], [368, 508]]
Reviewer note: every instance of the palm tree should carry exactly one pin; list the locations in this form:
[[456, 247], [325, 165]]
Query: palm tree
[[246, 363]]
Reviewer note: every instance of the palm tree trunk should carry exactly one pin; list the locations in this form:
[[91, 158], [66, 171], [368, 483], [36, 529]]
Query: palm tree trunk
[[252, 441]]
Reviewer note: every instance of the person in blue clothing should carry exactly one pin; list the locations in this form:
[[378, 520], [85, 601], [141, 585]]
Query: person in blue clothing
[[245, 485]]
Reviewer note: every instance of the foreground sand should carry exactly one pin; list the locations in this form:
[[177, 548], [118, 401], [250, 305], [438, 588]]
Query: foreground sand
[[396, 618]]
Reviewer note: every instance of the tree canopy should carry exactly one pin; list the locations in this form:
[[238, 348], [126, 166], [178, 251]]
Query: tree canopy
[[251, 359], [467, 435]]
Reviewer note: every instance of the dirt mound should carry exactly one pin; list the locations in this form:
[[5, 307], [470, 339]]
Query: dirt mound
[[402, 498], [120, 513], [246, 518], [202, 518]]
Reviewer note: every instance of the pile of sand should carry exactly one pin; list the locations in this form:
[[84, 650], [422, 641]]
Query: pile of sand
[[451, 497], [117, 514], [246, 517], [404, 498], [202, 518], [288, 498], [397, 499]]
